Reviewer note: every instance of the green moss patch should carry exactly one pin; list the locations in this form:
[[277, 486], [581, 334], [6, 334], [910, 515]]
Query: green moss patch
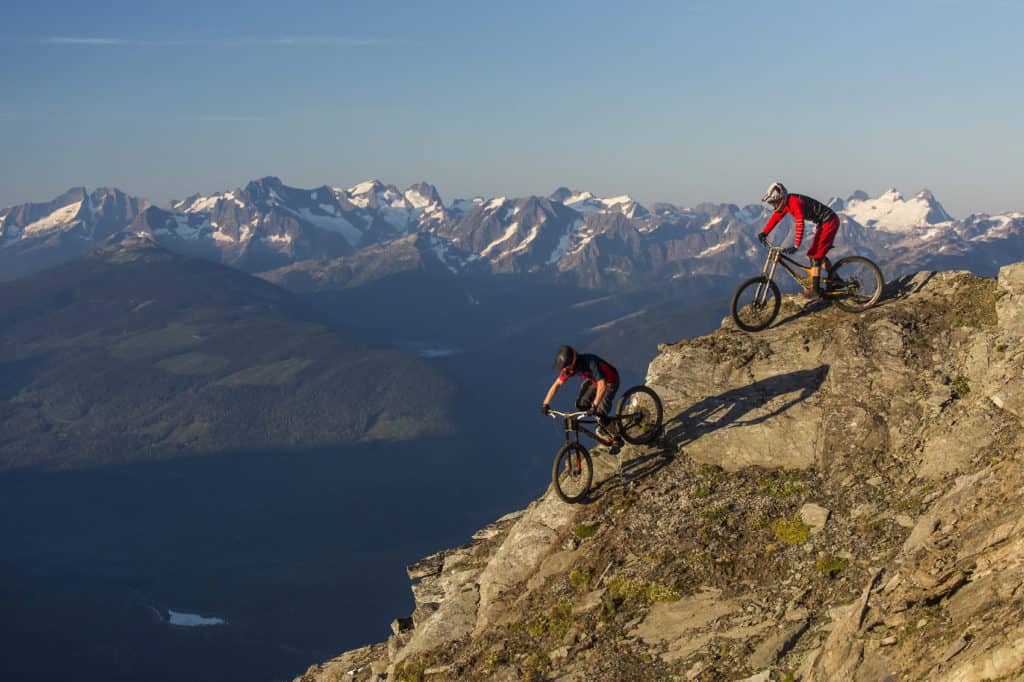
[[792, 531]]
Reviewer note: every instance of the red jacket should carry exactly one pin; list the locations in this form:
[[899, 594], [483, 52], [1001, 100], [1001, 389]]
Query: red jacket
[[800, 207]]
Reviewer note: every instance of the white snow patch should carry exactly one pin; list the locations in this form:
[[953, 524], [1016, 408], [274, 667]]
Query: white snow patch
[[711, 223], [466, 205], [714, 249], [586, 239], [207, 204], [192, 620], [890, 212], [279, 238], [398, 218], [563, 243], [332, 224], [509, 232], [525, 244], [495, 203], [417, 200], [440, 249], [612, 323], [363, 187], [587, 202], [54, 220], [186, 231]]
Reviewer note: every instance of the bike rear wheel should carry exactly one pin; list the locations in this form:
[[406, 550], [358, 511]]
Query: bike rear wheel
[[856, 285], [639, 412], [756, 303], [572, 473]]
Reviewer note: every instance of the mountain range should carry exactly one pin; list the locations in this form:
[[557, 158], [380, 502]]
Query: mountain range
[[332, 237]]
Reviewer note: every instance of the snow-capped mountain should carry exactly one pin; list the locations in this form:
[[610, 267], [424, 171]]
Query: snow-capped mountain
[[268, 224], [515, 235], [890, 212], [37, 235], [586, 202], [571, 235]]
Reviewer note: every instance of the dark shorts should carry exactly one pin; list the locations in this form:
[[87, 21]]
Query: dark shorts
[[823, 238], [586, 398]]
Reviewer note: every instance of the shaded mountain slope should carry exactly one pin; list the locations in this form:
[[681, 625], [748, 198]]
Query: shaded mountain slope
[[837, 497], [134, 353]]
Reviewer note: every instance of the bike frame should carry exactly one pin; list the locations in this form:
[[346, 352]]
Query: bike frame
[[574, 425], [771, 263]]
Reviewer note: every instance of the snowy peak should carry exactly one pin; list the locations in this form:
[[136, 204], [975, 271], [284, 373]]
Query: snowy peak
[[523, 234], [94, 215], [587, 202], [423, 195], [891, 212]]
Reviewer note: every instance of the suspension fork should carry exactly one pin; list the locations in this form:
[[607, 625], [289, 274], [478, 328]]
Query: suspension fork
[[768, 271]]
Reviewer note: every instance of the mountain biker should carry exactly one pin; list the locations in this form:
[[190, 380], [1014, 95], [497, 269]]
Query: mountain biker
[[802, 207], [600, 383]]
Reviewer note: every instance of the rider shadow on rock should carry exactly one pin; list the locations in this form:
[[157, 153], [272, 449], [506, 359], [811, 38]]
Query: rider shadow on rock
[[632, 470], [730, 409], [805, 309], [903, 287]]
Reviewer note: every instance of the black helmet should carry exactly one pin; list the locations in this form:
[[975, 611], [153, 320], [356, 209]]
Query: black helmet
[[566, 356]]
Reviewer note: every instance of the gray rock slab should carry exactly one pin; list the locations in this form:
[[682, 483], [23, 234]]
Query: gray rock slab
[[771, 649], [677, 624], [814, 516], [454, 619]]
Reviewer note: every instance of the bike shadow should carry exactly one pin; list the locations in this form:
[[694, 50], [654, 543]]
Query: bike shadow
[[727, 410], [634, 469], [902, 287], [805, 309]]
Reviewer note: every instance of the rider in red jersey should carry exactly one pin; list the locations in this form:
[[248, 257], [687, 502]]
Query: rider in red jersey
[[600, 383], [803, 208]]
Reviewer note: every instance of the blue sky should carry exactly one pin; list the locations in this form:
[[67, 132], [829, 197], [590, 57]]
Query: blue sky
[[668, 101]]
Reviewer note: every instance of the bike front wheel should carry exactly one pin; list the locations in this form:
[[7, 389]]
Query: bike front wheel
[[856, 283], [756, 303], [640, 414], [572, 473]]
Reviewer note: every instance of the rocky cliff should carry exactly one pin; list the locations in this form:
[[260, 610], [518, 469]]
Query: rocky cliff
[[836, 498]]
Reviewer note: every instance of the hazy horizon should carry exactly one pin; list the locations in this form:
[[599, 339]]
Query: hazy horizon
[[679, 102]]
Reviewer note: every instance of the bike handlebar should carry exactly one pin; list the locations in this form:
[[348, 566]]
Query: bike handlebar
[[571, 415]]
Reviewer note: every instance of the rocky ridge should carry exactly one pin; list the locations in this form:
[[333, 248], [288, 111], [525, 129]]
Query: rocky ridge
[[837, 497]]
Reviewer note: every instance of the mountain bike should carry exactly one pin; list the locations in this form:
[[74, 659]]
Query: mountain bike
[[853, 283], [637, 419]]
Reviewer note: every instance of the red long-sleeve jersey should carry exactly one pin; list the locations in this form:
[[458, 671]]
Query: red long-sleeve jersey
[[800, 207]]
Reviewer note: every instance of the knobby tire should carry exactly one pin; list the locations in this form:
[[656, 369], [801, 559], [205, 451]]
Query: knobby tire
[[572, 466], [851, 302], [648, 426], [767, 312]]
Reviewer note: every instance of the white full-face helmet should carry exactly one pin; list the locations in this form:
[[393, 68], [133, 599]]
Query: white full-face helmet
[[775, 195]]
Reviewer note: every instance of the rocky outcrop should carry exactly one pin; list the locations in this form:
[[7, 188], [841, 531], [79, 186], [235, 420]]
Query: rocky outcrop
[[836, 498]]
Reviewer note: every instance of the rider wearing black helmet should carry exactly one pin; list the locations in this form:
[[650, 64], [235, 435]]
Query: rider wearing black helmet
[[600, 383]]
